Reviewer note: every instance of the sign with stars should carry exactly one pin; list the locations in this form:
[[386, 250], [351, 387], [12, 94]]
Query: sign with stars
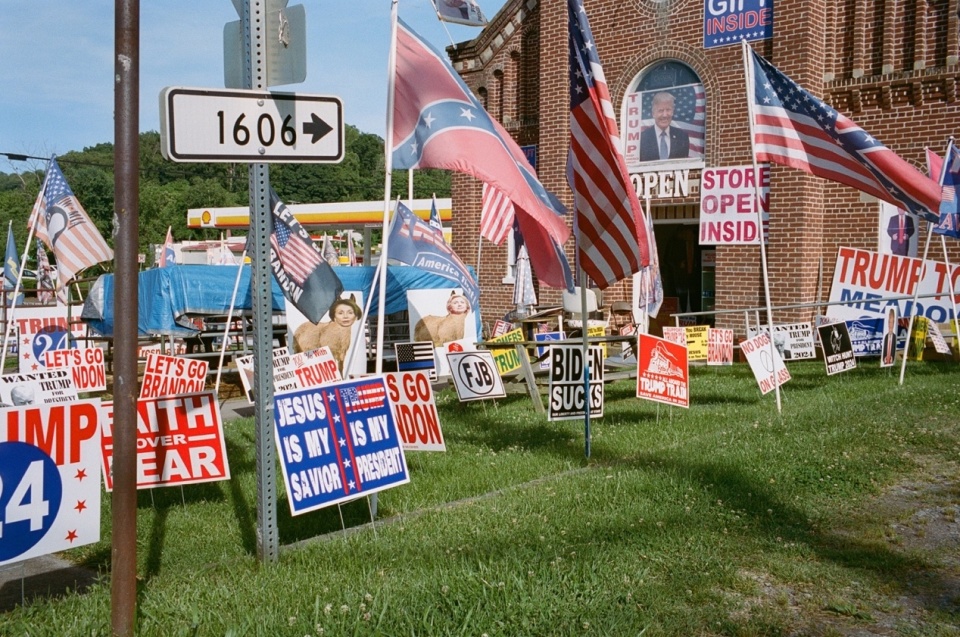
[[42, 329], [726, 22], [49, 479], [337, 442]]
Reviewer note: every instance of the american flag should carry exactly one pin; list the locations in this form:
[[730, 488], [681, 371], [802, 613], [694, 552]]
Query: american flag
[[413, 242], [611, 240], [416, 356], [364, 396], [435, 222], [948, 175], [439, 123], [496, 215], [167, 255], [299, 256], [64, 226], [796, 129]]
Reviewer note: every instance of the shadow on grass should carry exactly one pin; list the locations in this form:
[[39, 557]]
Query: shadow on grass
[[769, 518]]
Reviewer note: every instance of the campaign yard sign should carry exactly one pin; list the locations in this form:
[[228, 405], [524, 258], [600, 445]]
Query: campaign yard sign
[[838, 353], [86, 366], [415, 356], [719, 346], [794, 341], [767, 365], [414, 411], [172, 375], [54, 386], [337, 442], [936, 337], [864, 278], [507, 360], [315, 367], [49, 482], [284, 376], [475, 376], [179, 441], [676, 335], [44, 328], [696, 336], [546, 338], [662, 371], [569, 398]]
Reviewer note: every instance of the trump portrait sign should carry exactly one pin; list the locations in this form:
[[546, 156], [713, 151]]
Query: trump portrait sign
[[337, 442]]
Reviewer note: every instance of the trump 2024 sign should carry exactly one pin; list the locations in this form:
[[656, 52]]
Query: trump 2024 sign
[[337, 442]]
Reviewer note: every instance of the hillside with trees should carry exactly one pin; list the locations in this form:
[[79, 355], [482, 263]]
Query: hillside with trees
[[168, 190]]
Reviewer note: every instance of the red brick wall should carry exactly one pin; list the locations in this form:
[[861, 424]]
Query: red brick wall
[[890, 65]]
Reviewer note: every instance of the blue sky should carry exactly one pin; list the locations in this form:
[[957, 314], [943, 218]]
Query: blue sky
[[56, 76]]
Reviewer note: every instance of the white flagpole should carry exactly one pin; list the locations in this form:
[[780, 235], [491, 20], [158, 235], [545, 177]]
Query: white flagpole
[[748, 72], [950, 290], [648, 220], [387, 182], [916, 294], [226, 327], [943, 242], [35, 216]]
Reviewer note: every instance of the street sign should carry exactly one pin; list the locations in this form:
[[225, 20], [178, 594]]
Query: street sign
[[285, 42], [212, 125]]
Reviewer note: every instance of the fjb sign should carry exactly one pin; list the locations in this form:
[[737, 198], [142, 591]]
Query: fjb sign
[[727, 22]]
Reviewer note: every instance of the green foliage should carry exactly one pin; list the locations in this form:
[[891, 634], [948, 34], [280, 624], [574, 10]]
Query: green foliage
[[168, 190]]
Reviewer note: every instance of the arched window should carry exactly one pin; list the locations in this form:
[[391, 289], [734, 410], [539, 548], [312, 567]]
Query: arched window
[[664, 117]]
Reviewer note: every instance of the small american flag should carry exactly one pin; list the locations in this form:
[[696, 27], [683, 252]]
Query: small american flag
[[949, 176], [363, 397], [416, 356], [63, 224], [298, 256], [612, 242], [797, 129], [496, 214]]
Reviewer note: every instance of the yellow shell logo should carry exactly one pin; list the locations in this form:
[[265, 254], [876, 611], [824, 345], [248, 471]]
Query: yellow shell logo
[[206, 218]]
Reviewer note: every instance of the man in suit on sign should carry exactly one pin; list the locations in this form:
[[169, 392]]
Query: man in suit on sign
[[663, 140]]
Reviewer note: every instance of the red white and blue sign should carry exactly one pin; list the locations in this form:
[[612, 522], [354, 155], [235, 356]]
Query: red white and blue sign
[[726, 22], [49, 479], [337, 442]]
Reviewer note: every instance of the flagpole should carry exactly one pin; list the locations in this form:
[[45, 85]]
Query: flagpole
[[387, 181], [348, 363], [950, 288], [748, 73], [916, 294], [648, 220], [226, 327], [34, 217], [948, 156]]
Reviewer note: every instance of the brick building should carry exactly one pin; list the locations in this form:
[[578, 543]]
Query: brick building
[[889, 65]]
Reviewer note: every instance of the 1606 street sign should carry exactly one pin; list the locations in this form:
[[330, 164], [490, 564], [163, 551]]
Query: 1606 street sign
[[211, 125]]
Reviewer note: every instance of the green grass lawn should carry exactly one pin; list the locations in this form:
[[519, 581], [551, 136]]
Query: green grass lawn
[[723, 519]]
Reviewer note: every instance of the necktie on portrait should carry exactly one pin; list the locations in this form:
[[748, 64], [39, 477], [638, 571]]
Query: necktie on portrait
[[664, 153], [901, 227]]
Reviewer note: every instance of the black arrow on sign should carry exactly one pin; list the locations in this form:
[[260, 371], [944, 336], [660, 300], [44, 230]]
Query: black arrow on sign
[[316, 127]]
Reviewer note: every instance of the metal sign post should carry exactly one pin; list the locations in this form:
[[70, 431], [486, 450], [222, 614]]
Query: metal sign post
[[253, 18]]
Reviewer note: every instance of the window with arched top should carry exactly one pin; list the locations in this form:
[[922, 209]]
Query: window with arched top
[[663, 119]]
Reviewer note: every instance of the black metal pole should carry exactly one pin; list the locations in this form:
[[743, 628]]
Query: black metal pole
[[126, 165]]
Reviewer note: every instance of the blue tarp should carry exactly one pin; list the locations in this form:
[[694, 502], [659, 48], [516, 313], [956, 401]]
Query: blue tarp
[[170, 297]]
